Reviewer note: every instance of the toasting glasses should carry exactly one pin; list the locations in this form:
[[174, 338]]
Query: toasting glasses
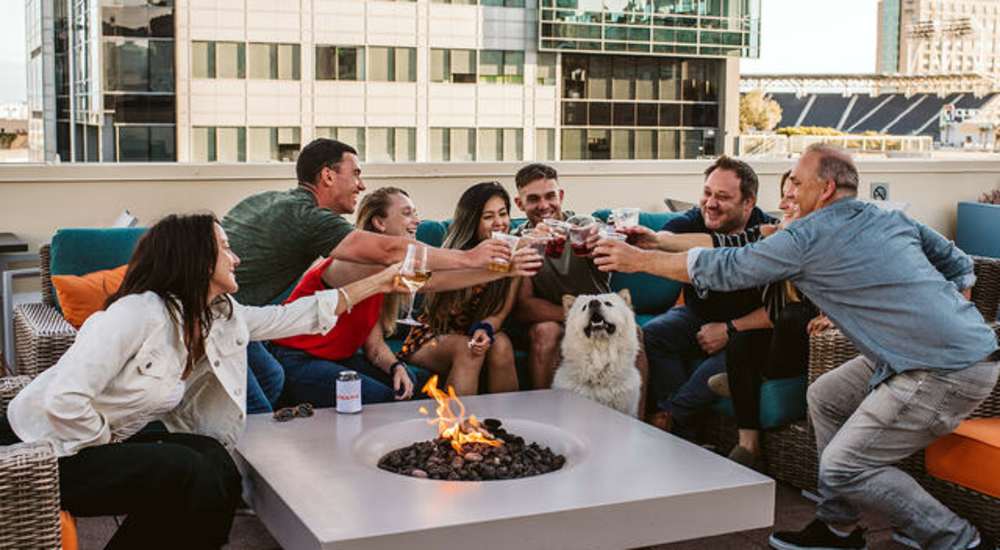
[[413, 274]]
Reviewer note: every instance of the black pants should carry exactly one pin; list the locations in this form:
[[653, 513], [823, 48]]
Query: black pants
[[755, 355], [178, 490]]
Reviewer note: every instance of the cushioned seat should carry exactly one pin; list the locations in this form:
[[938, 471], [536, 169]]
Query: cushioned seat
[[79, 251], [970, 456], [782, 401]]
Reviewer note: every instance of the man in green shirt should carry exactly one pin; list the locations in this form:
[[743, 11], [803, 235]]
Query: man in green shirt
[[279, 234]]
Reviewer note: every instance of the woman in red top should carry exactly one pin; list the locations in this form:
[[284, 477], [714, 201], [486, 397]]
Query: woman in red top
[[313, 362]]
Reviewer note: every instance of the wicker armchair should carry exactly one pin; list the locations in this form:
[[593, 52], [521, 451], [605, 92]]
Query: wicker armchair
[[791, 451], [29, 487], [41, 334]]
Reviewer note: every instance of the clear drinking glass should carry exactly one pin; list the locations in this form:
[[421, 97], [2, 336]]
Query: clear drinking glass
[[502, 265], [610, 234], [413, 274], [624, 218]]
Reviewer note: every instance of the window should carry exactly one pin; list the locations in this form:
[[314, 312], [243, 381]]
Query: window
[[355, 137], [500, 66], [138, 65], [141, 108], [210, 144], [146, 143], [500, 144], [453, 66], [138, 20], [274, 61], [274, 144], [574, 145], [545, 71], [545, 144], [340, 63], [453, 144], [392, 64], [392, 145], [621, 144], [218, 60], [504, 3]]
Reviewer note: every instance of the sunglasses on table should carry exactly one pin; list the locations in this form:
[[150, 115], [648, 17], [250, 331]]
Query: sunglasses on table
[[301, 410]]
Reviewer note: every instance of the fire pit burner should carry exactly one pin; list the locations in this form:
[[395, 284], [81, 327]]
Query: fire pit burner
[[438, 459]]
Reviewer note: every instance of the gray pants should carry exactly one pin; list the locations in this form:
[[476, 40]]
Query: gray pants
[[860, 434]]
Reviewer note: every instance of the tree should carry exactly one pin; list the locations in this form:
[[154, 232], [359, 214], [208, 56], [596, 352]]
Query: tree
[[758, 112]]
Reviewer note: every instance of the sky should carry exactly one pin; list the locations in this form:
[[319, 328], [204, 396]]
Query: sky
[[13, 75], [797, 36], [816, 36]]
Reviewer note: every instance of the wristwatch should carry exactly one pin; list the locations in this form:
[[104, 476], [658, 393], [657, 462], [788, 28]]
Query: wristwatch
[[730, 329]]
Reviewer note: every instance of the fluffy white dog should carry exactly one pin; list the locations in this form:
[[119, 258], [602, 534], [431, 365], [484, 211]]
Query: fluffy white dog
[[599, 351]]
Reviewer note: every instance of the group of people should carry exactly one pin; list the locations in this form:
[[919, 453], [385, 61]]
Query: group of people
[[266, 307]]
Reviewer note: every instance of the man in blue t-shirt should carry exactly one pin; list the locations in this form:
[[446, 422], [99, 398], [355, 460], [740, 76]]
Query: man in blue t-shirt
[[678, 341]]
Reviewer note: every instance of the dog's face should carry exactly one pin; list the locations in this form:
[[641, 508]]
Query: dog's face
[[598, 316]]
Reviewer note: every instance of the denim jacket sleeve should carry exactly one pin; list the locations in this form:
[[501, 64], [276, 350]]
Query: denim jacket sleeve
[[775, 258], [955, 265]]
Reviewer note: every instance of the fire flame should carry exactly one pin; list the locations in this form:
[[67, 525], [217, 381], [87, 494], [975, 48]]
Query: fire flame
[[456, 428]]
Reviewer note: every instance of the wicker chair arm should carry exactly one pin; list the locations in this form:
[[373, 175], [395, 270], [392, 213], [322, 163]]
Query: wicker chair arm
[[828, 350], [29, 496], [9, 386], [42, 335]]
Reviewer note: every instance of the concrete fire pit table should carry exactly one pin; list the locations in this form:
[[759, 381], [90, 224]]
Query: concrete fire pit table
[[625, 484]]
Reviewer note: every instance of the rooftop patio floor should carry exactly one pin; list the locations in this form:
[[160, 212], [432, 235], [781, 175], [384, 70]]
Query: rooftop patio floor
[[793, 512]]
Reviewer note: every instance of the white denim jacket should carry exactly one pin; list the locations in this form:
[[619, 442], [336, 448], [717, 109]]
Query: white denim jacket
[[127, 358]]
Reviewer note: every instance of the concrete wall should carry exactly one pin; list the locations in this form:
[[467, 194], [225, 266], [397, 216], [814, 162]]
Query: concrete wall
[[35, 200]]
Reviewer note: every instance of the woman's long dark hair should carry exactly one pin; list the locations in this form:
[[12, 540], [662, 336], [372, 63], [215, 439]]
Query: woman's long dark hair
[[462, 235], [176, 260]]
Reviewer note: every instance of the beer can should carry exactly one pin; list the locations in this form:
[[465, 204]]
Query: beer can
[[348, 392]]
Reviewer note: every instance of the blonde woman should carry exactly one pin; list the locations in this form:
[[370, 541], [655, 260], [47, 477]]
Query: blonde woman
[[313, 362]]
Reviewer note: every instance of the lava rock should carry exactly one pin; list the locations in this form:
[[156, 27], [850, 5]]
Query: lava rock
[[437, 459]]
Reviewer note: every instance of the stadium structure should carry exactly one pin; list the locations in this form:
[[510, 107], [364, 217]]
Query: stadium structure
[[938, 65]]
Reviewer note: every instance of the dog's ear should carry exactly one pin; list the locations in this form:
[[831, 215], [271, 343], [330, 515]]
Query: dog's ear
[[626, 295], [568, 300]]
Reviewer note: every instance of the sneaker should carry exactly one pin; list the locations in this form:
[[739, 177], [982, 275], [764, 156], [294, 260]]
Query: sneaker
[[985, 543], [742, 455], [817, 536], [719, 384]]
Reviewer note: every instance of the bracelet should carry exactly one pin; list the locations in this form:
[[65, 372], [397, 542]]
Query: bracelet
[[350, 304], [485, 325], [394, 366]]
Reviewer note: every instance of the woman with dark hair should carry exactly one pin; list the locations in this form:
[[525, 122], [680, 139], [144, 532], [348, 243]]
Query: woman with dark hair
[[460, 329], [312, 362], [171, 347]]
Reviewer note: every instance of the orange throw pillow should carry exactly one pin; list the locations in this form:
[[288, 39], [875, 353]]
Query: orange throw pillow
[[81, 296]]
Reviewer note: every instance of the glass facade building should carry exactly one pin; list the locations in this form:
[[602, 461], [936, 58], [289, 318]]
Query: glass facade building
[[401, 80], [715, 28], [112, 79]]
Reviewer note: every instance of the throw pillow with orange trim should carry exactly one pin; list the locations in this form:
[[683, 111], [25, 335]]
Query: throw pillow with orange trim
[[81, 296]]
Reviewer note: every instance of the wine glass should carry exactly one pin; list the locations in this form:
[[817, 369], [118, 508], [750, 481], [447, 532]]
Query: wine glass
[[413, 274]]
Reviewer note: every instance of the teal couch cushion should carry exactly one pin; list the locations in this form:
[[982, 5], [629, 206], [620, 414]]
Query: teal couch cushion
[[650, 294], [78, 251], [432, 232], [782, 401]]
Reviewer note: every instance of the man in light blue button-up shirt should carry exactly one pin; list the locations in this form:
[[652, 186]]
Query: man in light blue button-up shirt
[[899, 291]]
